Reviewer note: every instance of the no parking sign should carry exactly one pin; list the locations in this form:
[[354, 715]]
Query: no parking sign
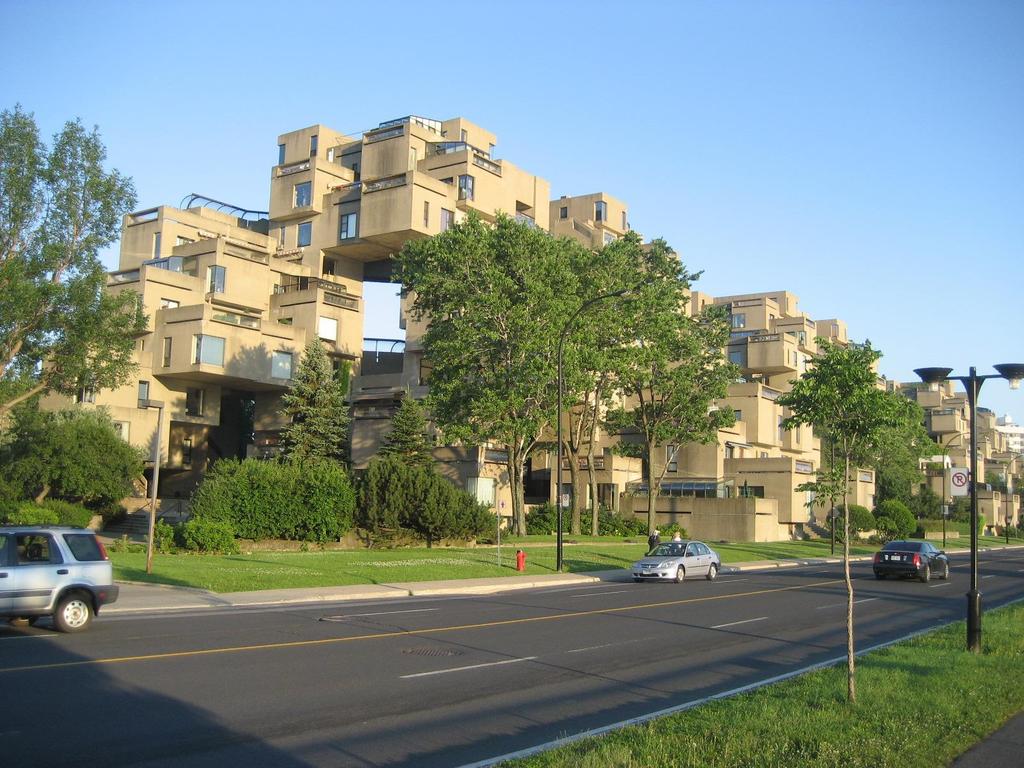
[[959, 481]]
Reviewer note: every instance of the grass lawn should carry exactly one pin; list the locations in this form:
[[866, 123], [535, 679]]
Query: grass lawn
[[316, 568], [922, 702]]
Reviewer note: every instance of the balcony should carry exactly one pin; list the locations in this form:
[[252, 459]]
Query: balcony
[[946, 421], [772, 353]]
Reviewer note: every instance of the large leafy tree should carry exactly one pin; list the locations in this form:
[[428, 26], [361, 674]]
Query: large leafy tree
[[496, 298], [407, 439], [839, 397], [897, 455], [74, 455], [315, 406], [673, 370], [59, 328]]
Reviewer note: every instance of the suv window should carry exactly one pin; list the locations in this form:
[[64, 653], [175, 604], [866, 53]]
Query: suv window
[[3, 550], [35, 548], [84, 547]]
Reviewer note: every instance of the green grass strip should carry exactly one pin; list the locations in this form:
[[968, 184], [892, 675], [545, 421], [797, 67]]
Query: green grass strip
[[920, 702]]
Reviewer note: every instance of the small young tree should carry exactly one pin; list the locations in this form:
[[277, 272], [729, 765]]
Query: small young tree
[[407, 439], [840, 398], [315, 405]]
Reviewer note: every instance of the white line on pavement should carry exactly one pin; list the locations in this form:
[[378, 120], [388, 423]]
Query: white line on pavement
[[463, 669], [575, 588], [606, 645], [991, 575], [735, 623], [855, 602], [940, 584], [378, 613], [598, 594]]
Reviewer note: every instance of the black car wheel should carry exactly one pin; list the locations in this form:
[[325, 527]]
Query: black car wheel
[[879, 576], [926, 574], [945, 571], [680, 575]]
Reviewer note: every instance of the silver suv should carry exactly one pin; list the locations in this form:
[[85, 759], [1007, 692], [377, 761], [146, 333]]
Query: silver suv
[[51, 571]]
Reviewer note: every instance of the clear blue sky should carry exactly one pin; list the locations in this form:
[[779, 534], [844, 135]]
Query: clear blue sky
[[867, 156]]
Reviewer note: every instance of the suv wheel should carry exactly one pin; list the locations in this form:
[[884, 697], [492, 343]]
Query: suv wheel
[[73, 614]]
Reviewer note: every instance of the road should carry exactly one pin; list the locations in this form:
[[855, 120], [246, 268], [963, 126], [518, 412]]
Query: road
[[437, 682]]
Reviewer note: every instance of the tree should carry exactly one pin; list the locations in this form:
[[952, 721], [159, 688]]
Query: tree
[[74, 455], [902, 521], [496, 298], [407, 439], [840, 398], [897, 454], [673, 370], [315, 405], [59, 328]]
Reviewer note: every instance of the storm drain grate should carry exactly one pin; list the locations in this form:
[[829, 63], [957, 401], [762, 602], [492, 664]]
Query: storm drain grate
[[432, 651]]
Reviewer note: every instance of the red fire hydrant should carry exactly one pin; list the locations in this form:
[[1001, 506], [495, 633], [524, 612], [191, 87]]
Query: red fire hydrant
[[520, 560]]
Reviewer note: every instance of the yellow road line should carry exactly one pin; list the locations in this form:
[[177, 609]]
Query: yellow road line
[[404, 632]]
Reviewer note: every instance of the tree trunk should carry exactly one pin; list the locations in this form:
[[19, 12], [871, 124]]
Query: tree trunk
[[574, 480], [43, 493], [652, 492], [516, 470], [592, 478], [851, 680]]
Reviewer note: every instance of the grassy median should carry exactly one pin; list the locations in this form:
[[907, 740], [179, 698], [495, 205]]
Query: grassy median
[[921, 702], [319, 568]]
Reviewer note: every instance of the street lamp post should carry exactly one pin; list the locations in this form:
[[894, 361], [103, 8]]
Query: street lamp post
[[1014, 372], [158, 404], [558, 417], [945, 506]]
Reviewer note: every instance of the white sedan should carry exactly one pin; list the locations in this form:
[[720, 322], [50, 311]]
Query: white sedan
[[678, 560]]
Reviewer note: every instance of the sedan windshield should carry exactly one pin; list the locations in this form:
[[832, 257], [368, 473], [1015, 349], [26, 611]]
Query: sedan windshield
[[669, 550]]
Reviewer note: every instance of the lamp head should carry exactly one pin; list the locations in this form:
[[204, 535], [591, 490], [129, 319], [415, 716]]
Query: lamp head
[[932, 376], [1013, 372]]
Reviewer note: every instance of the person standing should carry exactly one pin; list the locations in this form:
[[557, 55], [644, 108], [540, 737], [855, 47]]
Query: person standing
[[653, 540]]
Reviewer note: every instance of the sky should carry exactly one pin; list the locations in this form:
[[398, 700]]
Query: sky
[[867, 156]]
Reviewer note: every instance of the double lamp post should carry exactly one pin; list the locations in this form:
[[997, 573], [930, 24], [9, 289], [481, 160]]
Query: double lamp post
[[1013, 372]]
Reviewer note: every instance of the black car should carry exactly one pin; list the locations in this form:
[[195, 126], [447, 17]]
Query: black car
[[911, 558]]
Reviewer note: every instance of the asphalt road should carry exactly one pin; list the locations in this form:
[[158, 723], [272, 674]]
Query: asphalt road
[[437, 682]]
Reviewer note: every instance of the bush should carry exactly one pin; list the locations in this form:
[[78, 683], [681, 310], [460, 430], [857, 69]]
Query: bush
[[307, 501], [861, 520], [901, 520], [164, 538], [204, 535], [543, 520], [667, 532], [397, 496], [30, 513], [611, 524]]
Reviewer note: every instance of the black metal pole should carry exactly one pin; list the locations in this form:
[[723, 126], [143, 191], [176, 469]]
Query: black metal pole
[[558, 464], [973, 383]]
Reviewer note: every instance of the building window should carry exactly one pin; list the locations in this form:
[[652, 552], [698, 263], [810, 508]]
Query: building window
[[186, 451], [600, 211], [426, 213], [608, 238], [121, 427], [215, 276], [329, 267], [281, 365], [312, 145], [738, 415], [303, 194], [563, 212], [179, 240], [143, 391], [280, 154], [739, 320], [347, 227], [670, 458], [464, 136], [167, 351], [466, 187], [169, 304], [330, 155], [209, 350], [85, 395], [730, 451], [280, 236], [156, 245], [305, 234], [738, 357], [327, 328], [447, 219], [194, 401]]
